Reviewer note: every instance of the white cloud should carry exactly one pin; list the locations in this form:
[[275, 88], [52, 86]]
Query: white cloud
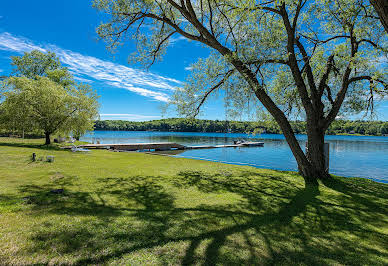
[[82, 79], [174, 40], [127, 117], [189, 68], [10, 43], [82, 66]]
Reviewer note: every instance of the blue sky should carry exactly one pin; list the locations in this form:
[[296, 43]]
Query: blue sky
[[127, 92]]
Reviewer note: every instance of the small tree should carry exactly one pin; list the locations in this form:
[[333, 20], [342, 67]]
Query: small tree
[[48, 106], [299, 58]]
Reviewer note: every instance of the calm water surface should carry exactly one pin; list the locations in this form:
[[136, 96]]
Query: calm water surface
[[349, 155]]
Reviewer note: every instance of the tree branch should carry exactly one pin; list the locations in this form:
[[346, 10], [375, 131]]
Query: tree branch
[[345, 83], [222, 81], [293, 62], [309, 72], [325, 77], [354, 79]]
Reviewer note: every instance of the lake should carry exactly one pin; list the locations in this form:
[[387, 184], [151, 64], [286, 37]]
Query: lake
[[351, 156]]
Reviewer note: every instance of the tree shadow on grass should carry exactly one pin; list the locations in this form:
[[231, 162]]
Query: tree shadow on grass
[[275, 222], [31, 145]]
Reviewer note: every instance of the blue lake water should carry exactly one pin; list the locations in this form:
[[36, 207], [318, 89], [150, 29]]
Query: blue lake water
[[352, 156]]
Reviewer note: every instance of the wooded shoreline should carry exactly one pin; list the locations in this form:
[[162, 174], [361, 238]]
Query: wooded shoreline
[[340, 127]]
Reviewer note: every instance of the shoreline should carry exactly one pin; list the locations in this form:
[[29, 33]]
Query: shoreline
[[340, 134]]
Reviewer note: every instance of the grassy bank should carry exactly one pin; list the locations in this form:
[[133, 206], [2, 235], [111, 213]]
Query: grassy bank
[[134, 208]]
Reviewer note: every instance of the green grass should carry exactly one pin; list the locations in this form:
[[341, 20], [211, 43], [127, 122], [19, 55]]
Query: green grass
[[136, 209]]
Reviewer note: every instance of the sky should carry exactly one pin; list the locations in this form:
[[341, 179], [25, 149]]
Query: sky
[[126, 91]]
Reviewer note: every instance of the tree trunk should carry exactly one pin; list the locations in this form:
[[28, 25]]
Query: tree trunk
[[381, 7], [306, 169], [47, 135], [311, 165], [315, 152]]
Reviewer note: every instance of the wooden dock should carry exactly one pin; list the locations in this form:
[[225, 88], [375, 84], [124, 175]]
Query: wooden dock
[[163, 146], [245, 144]]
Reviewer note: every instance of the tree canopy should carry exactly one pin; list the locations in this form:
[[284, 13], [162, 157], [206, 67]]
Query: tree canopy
[[311, 59], [43, 96], [36, 64]]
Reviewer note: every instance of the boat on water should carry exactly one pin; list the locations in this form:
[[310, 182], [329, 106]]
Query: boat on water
[[248, 143]]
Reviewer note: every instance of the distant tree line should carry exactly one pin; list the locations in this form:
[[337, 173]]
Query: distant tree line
[[375, 128]]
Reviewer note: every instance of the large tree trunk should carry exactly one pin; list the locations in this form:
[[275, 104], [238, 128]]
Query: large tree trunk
[[306, 169], [48, 141], [315, 152], [381, 7], [311, 165]]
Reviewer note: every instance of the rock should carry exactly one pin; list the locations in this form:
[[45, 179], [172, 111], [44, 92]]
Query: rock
[[57, 191]]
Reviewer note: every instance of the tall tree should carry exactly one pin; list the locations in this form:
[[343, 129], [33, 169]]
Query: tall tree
[[291, 57], [46, 105], [36, 64]]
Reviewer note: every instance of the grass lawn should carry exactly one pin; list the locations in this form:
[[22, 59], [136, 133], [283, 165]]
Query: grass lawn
[[136, 209]]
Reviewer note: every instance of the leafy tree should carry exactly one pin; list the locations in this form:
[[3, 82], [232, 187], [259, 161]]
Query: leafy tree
[[311, 59], [384, 128], [36, 64], [13, 116], [46, 105]]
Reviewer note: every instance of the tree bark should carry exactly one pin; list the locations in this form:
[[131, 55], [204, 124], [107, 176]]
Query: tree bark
[[381, 7], [315, 151], [48, 141]]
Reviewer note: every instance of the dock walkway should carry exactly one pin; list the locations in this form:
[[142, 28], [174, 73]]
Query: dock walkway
[[163, 146]]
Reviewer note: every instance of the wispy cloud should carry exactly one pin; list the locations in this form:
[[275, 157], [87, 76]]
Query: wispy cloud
[[127, 117], [189, 68], [174, 40], [86, 67], [8, 42], [82, 79]]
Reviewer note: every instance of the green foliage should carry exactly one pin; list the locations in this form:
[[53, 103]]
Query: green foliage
[[139, 209], [343, 34], [47, 106], [36, 64], [42, 97]]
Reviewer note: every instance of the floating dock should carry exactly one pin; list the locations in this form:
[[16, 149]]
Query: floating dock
[[163, 146]]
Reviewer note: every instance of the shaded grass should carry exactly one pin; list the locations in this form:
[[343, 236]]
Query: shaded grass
[[34, 143], [133, 208]]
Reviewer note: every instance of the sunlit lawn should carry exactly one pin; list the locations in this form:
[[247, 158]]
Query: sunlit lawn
[[133, 208]]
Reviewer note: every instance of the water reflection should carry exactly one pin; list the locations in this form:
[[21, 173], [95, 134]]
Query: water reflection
[[359, 156]]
